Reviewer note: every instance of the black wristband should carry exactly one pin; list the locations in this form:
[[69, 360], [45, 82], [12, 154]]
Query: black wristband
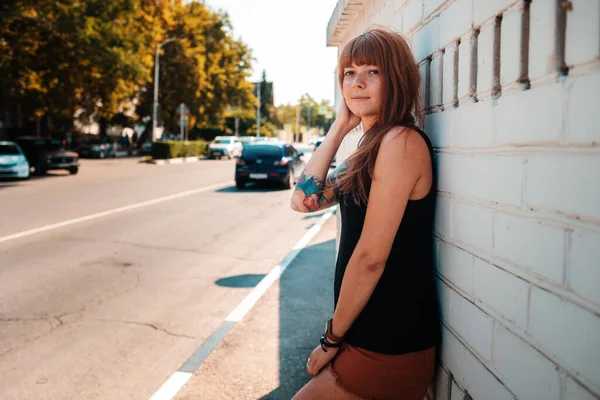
[[326, 343]]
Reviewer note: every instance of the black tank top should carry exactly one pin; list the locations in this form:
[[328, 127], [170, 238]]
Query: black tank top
[[402, 315]]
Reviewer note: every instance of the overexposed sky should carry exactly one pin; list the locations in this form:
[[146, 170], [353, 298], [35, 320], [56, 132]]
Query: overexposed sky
[[288, 40]]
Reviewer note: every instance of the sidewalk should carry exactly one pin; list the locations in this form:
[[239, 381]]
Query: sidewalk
[[264, 355]]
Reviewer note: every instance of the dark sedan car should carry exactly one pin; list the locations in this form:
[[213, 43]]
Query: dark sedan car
[[268, 162], [47, 154]]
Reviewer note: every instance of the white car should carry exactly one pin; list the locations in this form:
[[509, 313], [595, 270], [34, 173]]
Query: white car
[[225, 146], [13, 163]]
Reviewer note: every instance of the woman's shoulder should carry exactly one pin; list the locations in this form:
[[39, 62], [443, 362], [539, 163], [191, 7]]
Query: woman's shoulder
[[404, 137]]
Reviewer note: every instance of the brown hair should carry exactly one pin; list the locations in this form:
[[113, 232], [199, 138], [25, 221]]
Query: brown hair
[[401, 101]]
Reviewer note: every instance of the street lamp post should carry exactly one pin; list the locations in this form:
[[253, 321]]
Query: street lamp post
[[156, 68]]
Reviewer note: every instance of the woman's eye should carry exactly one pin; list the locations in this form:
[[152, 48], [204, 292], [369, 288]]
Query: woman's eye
[[348, 73], [373, 71]]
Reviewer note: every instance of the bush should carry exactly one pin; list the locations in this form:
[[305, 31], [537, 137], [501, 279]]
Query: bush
[[165, 149]]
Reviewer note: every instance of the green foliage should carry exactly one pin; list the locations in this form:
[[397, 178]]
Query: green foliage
[[66, 59], [173, 149]]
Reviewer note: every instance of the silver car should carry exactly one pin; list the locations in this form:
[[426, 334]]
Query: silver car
[[13, 163]]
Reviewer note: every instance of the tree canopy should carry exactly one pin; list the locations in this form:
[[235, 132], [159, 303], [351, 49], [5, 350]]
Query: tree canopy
[[67, 59]]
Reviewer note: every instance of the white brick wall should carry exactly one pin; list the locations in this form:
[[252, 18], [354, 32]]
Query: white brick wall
[[530, 374], [543, 61], [567, 332], [518, 211], [582, 33]]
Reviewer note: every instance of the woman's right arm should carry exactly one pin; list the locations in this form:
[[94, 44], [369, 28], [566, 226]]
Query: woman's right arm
[[314, 190]]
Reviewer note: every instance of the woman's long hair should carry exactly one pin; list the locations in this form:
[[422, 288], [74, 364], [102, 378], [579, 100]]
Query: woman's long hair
[[400, 101]]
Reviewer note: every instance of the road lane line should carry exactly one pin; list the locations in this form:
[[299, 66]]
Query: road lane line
[[178, 379], [111, 212]]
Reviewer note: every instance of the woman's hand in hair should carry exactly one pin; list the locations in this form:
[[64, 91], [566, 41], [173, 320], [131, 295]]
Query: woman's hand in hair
[[345, 119]]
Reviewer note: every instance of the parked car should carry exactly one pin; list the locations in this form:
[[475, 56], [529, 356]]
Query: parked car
[[13, 163], [98, 148], [317, 143], [225, 146], [268, 162], [48, 154]]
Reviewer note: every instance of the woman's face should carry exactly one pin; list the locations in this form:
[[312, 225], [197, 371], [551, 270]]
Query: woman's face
[[362, 90]]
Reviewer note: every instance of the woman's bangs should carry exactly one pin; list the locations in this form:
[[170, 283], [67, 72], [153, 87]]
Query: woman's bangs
[[363, 50]]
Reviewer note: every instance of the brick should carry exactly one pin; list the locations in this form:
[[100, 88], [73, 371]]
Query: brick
[[472, 225], [531, 117], [483, 10], [448, 78], [387, 17], [543, 32], [511, 56], [485, 61], [435, 81], [482, 384], [425, 41], [564, 183], [398, 4], [438, 127], [465, 64], [453, 355], [501, 291], [469, 176], [443, 216], [530, 374], [412, 15], [456, 392], [429, 6], [584, 262], [472, 324], [531, 244], [442, 385], [456, 265], [474, 125], [575, 391], [456, 20], [566, 332], [583, 98], [424, 84], [583, 32]]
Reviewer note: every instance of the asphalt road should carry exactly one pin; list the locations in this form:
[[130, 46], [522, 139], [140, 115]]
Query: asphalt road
[[111, 278]]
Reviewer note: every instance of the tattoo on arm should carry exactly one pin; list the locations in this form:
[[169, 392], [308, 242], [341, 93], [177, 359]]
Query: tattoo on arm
[[316, 191], [313, 189]]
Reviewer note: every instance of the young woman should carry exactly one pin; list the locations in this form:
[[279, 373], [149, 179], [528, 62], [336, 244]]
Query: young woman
[[381, 341]]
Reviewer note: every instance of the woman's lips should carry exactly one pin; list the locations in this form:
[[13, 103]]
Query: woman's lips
[[360, 98]]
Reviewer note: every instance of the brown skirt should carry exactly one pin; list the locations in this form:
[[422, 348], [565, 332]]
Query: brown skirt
[[370, 375]]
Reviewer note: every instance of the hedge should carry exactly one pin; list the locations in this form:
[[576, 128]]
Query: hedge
[[164, 149]]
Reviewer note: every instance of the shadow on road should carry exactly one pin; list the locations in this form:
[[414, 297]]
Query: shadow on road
[[305, 303], [240, 281], [253, 188]]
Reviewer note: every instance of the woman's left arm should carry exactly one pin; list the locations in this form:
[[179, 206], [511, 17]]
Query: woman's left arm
[[398, 166]]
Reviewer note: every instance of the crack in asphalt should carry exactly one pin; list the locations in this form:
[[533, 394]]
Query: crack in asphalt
[[148, 325]]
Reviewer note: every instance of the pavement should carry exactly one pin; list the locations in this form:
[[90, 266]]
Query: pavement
[[112, 278], [264, 355]]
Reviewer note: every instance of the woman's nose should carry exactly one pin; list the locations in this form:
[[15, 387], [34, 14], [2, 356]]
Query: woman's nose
[[358, 82]]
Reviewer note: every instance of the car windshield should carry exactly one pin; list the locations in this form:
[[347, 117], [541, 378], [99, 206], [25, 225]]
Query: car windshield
[[254, 151], [222, 141], [9, 149]]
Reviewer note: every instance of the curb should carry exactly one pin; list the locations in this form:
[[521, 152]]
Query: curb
[[174, 160]]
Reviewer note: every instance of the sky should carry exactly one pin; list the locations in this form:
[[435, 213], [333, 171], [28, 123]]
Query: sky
[[288, 40]]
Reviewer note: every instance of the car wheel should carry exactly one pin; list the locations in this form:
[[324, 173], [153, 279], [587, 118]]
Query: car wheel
[[39, 170], [240, 185], [73, 170]]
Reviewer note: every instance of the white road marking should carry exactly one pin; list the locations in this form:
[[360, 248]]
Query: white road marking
[[170, 388], [111, 212]]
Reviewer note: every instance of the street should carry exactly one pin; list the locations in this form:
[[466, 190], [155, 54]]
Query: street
[[111, 278]]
